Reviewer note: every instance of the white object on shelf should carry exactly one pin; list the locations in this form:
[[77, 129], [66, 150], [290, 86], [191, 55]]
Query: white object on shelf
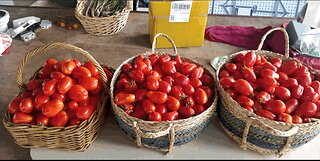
[[18, 22], [28, 36], [212, 143], [4, 19], [45, 24], [14, 32]]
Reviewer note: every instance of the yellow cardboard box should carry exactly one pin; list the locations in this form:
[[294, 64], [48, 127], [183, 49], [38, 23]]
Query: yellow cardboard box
[[184, 34]]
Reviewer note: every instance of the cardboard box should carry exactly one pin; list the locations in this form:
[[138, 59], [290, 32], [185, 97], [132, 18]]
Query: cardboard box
[[184, 34]]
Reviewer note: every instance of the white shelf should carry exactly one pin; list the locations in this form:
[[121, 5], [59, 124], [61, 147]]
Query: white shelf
[[213, 143]]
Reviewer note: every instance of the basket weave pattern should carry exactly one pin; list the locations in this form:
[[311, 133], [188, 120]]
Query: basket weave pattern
[[258, 133], [162, 135], [102, 26], [76, 137]]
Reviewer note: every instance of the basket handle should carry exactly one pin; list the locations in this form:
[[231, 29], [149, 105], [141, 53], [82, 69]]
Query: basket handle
[[153, 50], [140, 134], [51, 46], [286, 39]]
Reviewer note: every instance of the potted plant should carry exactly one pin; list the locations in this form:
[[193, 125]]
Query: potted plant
[[103, 17]]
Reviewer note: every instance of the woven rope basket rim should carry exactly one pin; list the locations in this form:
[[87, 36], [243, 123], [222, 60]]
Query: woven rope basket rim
[[96, 119]]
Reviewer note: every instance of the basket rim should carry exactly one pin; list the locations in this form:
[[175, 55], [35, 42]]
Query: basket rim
[[206, 112], [248, 113]]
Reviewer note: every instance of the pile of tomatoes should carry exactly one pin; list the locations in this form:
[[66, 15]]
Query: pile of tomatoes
[[163, 88], [64, 93], [278, 90]]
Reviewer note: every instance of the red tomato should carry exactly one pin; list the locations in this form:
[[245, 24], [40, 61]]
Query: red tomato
[[232, 93], [243, 87], [49, 63], [237, 75], [244, 101], [74, 121], [84, 112], [270, 66], [26, 94], [275, 106], [140, 94], [157, 97], [268, 84], [317, 102], [79, 72], [170, 116], [276, 60], [89, 83], [223, 73], [187, 68], [58, 65], [64, 85], [239, 57], [33, 84], [231, 67], [153, 58], [198, 109], [57, 75], [263, 97], [257, 106], [108, 73], [309, 97], [40, 100], [169, 67], [148, 106], [94, 100], [121, 83], [155, 116], [196, 83], [152, 84], [316, 86], [77, 62], [291, 105], [138, 112], [164, 58], [188, 89], [26, 105], [90, 66], [148, 63], [164, 87], [186, 112], [196, 73], [258, 59], [290, 83], [13, 106], [269, 73], [122, 98], [282, 93], [182, 80], [140, 65], [42, 120], [67, 67], [304, 80], [207, 80], [306, 120], [289, 67], [37, 91], [301, 70], [283, 77], [249, 59], [97, 90], [296, 119], [249, 75], [137, 75], [52, 108], [172, 103], [169, 79], [78, 93], [283, 117], [126, 67], [308, 90], [176, 91], [22, 118], [306, 109], [208, 90], [227, 82], [154, 75], [59, 120], [297, 91], [73, 105], [50, 87], [189, 101], [201, 96], [266, 114], [45, 73], [161, 108], [58, 96]]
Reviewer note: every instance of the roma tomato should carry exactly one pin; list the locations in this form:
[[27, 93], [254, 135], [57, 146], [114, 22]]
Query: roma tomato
[[269, 73], [290, 83], [154, 75], [243, 87], [78, 93], [237, 75], [249, 59], [49, 63], [198, 109], [77, 62], [186, 112], [161, 108], [201, 96], [37, 91], [157, 97], [89, 83], [289, 67], [268, 84], [90, 66], [122, 98], [81, 71], [169, 67], [64, 85], [45, 73], [137, 75], [170, 116], [275, 106], [73, 105], [59, 120], [155, 116], [50, 87], [309, 97], [244, 101], [284, 117], [188, 89], [296, 119], [316, 86], [232, 93], [164, 58], [208, 90], [26, 105], [266, 114], [283, 77], [231, 67], [140, 94], [250, 109], [96, 91], [223, 73], [13, 106], [52, 108], [305, 80], [40, 100], [249, 75], [148, 106], [164, 87], [153, 58], [33, 84], [122, 82], [239, 58], [74, 121], [182, 80], [126, 68], [42, 120], [168, 79], [306, 109], [58, 96], [189, 101], [177, 92], [84, 112], [140, 65], [187, 68], [227, 82], [301, 70], [297, 91], [26, 94], [172, 103], [67, 67], [291, 105], [196, 73], [152, 84], [58, 65], [57, 75], [22, 118], [263, 97], [138, 112], [207, 80], [282, 93]]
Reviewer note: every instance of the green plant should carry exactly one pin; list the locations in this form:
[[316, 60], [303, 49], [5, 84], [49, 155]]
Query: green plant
[[104, 8]]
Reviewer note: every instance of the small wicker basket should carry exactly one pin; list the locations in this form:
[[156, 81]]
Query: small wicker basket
[[102, 26], [258, 133], [161, 135], [76, 137]]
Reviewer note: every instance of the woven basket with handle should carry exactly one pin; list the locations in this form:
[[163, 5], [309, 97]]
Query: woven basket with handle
[[258, 133], [102, 26], [76, 137], [163, 135]]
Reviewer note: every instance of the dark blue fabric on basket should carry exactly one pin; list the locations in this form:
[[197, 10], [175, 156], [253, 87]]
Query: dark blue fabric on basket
[[258, 136], [181, 137]]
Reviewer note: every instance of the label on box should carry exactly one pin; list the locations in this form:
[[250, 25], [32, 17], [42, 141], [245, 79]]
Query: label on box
[[180, 11]]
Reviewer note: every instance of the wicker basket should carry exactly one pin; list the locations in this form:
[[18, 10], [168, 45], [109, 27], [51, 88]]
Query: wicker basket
[[162, 135], [255, 132], [76, 137], [102, 26]]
